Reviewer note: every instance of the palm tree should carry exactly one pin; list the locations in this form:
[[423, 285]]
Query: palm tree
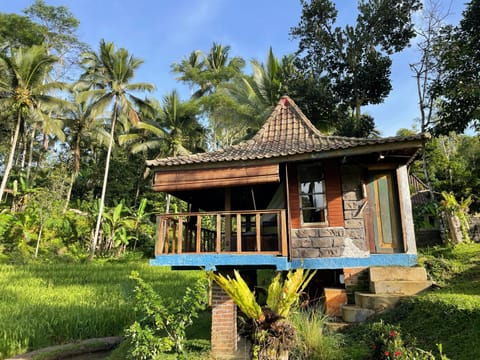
[[108, 76], [83, 124], [179, 121], [207, 73], [260, 92], [208, 70], [24, 92]]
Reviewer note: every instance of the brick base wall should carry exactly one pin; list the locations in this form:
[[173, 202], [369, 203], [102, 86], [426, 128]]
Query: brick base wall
[[224, 323]]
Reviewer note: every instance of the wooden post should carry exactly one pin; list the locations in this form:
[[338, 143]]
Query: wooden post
[[228, 219], [406, 211], [199, 233], [160, 237], [239, 232], [174, 237], [180, 235], [283, 227], [258, 232], [166, 232], [218, 246]]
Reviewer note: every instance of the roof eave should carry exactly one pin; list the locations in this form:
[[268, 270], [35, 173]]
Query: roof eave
[[313, 155]]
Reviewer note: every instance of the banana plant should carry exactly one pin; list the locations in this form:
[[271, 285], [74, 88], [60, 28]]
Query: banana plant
[[112, 225], [136, 219]]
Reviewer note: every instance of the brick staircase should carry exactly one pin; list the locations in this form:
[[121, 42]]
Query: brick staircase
[[387, 286]]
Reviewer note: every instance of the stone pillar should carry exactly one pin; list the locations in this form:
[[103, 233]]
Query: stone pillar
[[406, 216], [224, 323]]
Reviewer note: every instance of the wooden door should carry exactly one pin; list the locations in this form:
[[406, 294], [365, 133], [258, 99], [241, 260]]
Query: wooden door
[[383, 215]]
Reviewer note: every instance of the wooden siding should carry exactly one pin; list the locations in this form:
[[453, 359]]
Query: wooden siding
[[333, 186], [294, 197], [178, 180]]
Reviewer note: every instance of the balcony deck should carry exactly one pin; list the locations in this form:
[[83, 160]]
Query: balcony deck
[[225, 238]]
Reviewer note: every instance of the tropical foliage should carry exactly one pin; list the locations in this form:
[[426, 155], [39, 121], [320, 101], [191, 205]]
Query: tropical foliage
[[273, 334], [161, 327]]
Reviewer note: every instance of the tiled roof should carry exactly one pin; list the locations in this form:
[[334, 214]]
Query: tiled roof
[[286, 132]]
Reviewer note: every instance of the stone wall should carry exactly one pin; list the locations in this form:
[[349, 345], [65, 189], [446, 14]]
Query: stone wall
[[347, 241]]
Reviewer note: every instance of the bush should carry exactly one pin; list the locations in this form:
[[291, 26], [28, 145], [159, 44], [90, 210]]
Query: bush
[[387, 344], [162, 327]]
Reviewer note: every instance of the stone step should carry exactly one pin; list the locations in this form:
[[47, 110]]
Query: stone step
[[416, 273], [336, 325], [355, 314], [401, 287], [376, 302]]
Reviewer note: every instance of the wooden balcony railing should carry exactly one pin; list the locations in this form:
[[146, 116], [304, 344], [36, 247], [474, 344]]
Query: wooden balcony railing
[[260, 231]]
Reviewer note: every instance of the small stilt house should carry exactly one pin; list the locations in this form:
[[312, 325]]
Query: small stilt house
[[290, 197]]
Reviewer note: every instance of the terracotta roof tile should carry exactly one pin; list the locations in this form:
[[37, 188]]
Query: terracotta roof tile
[[286, 132]]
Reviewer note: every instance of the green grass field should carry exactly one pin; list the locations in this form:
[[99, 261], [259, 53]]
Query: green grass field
[[43, 305]]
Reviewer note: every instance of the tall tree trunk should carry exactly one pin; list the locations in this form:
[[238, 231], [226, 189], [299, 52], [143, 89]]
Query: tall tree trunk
[[38, 239], [104, 187], [76, 171], [69, 193], [8, 168], [30, 154]]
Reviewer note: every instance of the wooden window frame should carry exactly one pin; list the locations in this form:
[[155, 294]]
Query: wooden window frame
[[324, 193]]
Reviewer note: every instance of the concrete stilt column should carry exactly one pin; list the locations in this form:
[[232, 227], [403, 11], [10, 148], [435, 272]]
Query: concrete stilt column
[[224, 323]]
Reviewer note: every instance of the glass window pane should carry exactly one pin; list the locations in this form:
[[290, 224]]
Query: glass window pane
[[307, 201], [319, 186], [313, 216], [319, 201], [312, 193]]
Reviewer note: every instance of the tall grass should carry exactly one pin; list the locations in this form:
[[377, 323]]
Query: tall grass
[[43, 305], [314, 342]]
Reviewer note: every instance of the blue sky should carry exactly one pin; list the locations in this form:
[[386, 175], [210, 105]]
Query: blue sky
[[162, 32]]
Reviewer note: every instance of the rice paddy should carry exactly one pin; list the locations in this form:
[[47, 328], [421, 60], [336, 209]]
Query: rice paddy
[[49, 304]]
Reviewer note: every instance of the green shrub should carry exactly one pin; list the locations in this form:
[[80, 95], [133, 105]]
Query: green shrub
[[161, 327], [386, 343]]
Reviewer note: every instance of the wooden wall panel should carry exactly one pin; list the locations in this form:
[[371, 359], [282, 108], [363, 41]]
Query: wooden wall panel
[[178, 180], [294, 197]]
